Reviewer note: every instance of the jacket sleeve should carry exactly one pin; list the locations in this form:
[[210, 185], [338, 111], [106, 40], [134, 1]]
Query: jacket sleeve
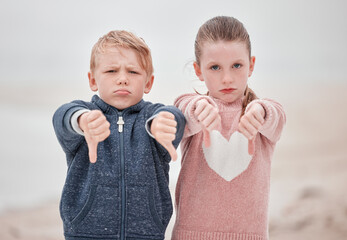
[[187, 104], [68, 138], [275, 118]]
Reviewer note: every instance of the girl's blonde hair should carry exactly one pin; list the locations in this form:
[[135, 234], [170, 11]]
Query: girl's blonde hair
[[125, 39], [223, 28]]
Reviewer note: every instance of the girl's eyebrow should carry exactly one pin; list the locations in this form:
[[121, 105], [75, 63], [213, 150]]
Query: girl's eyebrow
[[239, 60], [214, 62]]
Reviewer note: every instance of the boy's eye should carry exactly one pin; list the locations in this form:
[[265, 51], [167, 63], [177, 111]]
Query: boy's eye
[[215, 67], [236, 65], [111, 71], [133, 72]]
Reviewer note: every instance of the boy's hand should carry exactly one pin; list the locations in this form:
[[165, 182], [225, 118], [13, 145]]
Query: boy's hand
[[208, 117], [250, 123], [96, 129], [163, 128]]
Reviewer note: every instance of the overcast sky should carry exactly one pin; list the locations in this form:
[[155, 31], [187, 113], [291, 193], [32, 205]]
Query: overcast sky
[[49, 42]]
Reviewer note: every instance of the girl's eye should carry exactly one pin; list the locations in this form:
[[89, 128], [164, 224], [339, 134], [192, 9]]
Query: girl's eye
[[215, 67], [111, 71], [133, 72], [236, 65]]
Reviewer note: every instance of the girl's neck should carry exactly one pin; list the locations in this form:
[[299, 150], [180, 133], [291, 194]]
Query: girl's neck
[[236, 102]]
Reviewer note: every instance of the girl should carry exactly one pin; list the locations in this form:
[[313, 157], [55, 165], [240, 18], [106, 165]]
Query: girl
[[223, 187]]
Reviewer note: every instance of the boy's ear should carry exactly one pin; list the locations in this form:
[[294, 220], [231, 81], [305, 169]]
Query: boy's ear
[[251, 66], [92, 82], [198, 71], [148, 85]]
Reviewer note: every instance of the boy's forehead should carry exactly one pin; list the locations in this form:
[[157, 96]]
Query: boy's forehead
[[111, 53]]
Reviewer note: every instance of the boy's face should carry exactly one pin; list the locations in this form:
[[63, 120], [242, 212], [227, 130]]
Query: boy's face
[[119, 78]]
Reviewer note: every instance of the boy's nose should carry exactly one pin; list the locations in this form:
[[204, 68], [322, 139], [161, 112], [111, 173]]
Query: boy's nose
[[122, 79]]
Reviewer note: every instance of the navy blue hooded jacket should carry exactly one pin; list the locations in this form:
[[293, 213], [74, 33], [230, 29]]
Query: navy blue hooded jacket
[[125, 194]]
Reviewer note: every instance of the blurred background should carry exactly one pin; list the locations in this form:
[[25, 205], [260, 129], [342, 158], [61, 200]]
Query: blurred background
[[300, 49]]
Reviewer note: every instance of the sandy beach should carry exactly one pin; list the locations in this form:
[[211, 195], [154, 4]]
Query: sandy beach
[[308, 197]]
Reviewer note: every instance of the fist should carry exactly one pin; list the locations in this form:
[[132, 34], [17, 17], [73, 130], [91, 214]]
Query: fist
[[207, 115], [252, 121], [209, 118], [96, 129], [163, 128]]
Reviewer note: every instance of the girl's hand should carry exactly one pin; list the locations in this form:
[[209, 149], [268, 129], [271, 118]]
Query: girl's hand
[[96, 129], [250, 123], [163, 128], [209, 118]]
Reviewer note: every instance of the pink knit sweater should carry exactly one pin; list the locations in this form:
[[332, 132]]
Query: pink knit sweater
[[222, 192]]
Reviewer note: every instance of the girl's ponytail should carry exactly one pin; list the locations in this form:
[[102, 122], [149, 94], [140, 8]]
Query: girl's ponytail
[[249, 97]]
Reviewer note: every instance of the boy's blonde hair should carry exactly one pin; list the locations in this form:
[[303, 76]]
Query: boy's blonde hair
[[125, 39]]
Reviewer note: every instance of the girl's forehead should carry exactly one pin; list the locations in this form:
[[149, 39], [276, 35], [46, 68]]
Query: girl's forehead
[[221, 44], [221, 48]]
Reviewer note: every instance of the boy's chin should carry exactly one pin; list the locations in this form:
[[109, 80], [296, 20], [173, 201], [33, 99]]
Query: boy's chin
[[121, 105]]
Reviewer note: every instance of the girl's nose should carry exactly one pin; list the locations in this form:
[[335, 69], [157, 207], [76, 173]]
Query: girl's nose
[[227, 78]]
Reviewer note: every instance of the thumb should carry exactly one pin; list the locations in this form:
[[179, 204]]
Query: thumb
[[251, 146], [207, 139], [93, 149], [172, 151]]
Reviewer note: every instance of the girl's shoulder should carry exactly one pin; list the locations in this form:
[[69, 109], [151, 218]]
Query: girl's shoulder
[[186, 96]]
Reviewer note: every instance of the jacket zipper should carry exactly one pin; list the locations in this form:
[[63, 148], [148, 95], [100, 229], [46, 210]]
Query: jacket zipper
[[122, 164]]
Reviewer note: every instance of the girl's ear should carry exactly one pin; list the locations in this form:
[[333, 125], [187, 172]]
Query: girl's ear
[[251, 66], [198, 71], [92, 82], [148, 85]]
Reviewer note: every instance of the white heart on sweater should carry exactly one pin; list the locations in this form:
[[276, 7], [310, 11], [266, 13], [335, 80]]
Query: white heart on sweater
[[227, 158]]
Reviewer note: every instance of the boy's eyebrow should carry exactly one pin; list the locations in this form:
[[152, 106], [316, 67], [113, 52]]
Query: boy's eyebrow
[[132, 66], [111, 65]]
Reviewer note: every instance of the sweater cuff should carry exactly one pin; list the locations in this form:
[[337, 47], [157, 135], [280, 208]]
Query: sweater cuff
[[190, 109], [74, 121], [268, 111]]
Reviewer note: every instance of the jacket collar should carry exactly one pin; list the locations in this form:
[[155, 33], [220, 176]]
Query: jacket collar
[[108, 109]]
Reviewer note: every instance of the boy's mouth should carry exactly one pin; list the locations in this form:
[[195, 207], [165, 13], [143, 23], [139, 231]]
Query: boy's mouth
[[122, 92]]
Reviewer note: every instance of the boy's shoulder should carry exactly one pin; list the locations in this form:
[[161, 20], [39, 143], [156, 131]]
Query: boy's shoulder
[[151, 109]]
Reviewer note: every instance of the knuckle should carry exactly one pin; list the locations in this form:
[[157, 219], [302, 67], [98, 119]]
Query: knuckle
[[170, 115]]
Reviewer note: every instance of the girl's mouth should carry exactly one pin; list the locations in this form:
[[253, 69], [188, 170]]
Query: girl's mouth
[[227, 90]]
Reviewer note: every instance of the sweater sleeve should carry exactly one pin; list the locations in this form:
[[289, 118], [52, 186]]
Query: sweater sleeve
[[275, 118], [187, 104], [68, 138]]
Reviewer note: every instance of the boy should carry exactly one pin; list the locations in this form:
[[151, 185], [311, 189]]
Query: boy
[[118, 148]]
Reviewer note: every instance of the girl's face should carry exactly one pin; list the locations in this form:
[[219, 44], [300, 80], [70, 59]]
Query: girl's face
[[225, 67]]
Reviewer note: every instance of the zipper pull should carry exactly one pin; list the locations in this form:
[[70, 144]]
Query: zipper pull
[[120, 124]]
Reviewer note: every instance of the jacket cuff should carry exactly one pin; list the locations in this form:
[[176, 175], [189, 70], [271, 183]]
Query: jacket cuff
[[74, 121], [148, 125]]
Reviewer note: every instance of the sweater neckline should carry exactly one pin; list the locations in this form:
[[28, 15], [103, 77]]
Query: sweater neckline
[[222, 105]]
